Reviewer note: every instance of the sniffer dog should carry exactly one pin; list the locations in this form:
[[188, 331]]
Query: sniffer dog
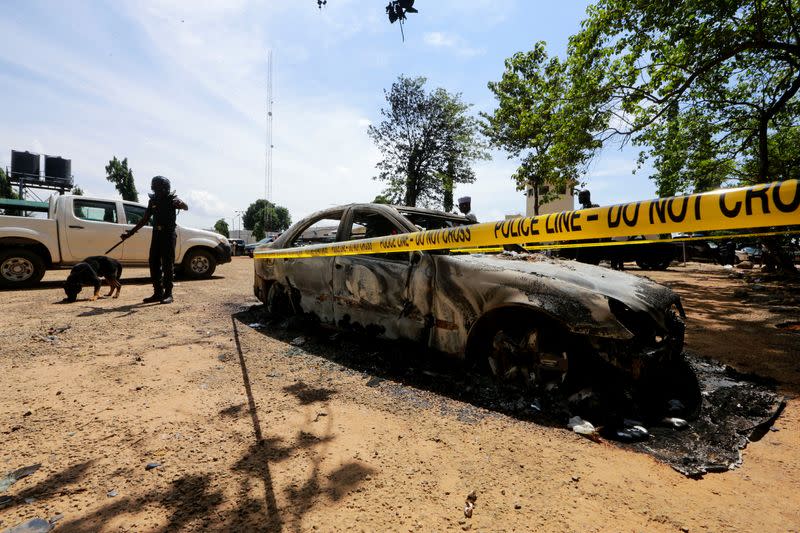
[[89, 272]]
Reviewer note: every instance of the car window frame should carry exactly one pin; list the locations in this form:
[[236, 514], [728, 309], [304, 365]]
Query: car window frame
[[135, 206], [311, 221], [77, 201], [346, 230]]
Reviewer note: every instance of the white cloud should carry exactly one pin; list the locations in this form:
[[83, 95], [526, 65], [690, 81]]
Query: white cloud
[[207, 204], [451, 42]]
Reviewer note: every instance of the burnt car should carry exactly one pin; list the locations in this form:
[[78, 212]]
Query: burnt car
[[523, 317]]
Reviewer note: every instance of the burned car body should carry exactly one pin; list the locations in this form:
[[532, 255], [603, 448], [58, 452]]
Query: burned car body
[[525, 317]]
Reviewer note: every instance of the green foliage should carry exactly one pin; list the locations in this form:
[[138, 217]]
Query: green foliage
[[543, 116], [5, 187], [270, 216], [6, 191], [381, 199], [705, 86], [221, 227], [118, 173], [77, 191], [422, 136], [258, 230]]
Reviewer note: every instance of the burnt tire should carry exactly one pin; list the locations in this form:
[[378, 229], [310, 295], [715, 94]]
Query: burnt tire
[[522, 350], [198, 263], [20, 268]]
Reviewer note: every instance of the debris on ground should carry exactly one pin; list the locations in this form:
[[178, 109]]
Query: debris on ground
[[151, 466], [34, 525], [255, 325], [374, 381], [582, 427], [298, 341], [112, 493], [469, 504], [12, 477]]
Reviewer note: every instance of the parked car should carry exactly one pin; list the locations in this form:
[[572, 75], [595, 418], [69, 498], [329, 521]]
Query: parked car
[[749, 253], [77, 227], [520, 316], [651, 256], [253, 245]]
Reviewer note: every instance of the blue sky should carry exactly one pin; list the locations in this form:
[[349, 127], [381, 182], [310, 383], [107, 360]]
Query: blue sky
[[179, 88]]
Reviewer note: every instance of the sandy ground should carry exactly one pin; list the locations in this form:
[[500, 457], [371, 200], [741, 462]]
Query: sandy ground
[[255, 434]]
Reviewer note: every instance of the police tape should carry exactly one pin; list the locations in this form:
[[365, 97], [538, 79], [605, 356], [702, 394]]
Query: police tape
[[674, 240], [759, 206]]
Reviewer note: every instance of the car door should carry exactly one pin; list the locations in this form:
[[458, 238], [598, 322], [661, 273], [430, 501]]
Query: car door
[[309, 278], [384, 294], [136, 248], [92, 228]]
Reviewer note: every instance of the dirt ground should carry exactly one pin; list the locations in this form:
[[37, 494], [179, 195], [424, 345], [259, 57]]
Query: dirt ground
[[254, 433]]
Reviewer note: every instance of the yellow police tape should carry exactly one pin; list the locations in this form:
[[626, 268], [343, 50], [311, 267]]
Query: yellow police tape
[[759, 206]]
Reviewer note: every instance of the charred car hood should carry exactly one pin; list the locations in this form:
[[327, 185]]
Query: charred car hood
[[571, 277]]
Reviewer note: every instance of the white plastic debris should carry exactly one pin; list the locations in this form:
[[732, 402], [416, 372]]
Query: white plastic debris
[[581, 426], [677, 423]]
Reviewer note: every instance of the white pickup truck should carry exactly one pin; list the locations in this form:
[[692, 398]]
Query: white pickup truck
[[77, 227]]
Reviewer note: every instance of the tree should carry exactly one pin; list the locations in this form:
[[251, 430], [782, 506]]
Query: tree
[[77, 191], [424, 135], [118, 173], [272, 217], [381, 199], [735, 63], [545, 118], [221, 227], [258, 230], [721, 76], [6, 191]]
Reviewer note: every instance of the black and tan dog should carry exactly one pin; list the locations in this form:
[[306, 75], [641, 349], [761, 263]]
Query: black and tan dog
[[89, 272]]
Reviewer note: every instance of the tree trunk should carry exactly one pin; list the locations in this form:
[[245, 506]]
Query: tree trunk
[[536, 200], [763, 149], [412, 180], [447, 186], [775, 257]]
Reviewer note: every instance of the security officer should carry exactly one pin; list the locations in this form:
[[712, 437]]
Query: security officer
[[163, 206], [465, 206], [585, 199]]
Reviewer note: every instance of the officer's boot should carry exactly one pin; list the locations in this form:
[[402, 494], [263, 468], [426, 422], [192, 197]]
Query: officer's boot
[[167, 299], [157, 296]]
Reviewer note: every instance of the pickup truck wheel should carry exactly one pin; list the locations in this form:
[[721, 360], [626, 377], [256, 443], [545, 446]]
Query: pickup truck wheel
[[199, 264], [20, 268]]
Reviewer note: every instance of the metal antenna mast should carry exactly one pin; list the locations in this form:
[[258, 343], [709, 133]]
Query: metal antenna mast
[[268, 168]]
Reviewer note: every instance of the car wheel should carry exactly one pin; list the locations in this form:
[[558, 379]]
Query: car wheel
[[199, 264], [519, 356], [20, 267]]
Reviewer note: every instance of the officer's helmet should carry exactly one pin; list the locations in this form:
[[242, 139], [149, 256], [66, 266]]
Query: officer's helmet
[[160, 185]]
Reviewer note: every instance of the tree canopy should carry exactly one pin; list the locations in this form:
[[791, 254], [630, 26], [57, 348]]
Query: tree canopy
[[269, 216], [221, 227], [423, 138], [77, 191], [545, 118], [118, 173], [708, 88]]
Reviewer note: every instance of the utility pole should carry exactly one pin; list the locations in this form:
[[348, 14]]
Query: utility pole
[[268, 165]]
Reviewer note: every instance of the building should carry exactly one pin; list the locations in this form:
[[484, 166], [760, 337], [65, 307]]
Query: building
[[565, 201]]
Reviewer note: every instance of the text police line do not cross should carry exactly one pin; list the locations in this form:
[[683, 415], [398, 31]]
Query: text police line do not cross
[[759, 206]]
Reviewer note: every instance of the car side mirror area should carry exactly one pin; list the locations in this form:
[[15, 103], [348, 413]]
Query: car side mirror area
[[416, 257]]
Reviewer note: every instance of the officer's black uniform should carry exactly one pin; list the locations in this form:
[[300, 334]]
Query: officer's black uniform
[[162, 246], [163, 206]]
